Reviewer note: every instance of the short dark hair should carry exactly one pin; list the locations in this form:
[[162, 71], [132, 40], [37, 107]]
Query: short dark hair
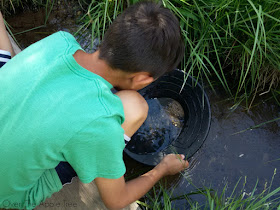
[[145, 37]]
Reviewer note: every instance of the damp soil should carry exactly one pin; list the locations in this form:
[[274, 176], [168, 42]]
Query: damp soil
[[232, 150], [30, 25]]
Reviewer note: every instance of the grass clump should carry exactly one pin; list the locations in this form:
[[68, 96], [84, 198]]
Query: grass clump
[[160, 198], [229, 43], [99, 15], [235, 42]]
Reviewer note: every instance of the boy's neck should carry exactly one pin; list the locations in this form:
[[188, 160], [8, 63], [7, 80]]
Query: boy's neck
[[93, 63], [119, 79]]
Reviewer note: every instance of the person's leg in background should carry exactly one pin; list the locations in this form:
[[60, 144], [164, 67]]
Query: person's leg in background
[[6, 49]]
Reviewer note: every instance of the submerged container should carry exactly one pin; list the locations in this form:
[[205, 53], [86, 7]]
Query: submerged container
[[178, 120]]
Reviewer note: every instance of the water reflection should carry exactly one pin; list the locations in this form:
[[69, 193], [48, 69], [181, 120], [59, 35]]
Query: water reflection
[[163, 125]]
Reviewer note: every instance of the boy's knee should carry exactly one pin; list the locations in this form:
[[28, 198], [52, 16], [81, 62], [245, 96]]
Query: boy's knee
[[134, 103], [135, 106]]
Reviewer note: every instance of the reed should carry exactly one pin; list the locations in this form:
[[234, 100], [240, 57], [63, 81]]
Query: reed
[[161, 197], [232, 42], [99, 15]]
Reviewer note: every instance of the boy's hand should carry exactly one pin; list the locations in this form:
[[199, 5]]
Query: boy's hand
[[172, 164], [116, 193]]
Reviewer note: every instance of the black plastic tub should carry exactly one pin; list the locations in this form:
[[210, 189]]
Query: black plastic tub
[[178, 120]]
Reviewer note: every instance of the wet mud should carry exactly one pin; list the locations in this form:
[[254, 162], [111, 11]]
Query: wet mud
[[30, 26]]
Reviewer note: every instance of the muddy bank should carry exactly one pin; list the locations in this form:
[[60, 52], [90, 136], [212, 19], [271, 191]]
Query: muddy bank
[[32, 25]]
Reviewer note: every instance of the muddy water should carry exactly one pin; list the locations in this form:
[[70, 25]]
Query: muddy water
[[232, 152], [164, 124], [227, 154], [29, 26]]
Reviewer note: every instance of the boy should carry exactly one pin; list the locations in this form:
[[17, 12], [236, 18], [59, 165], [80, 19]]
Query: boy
[[59, 117]]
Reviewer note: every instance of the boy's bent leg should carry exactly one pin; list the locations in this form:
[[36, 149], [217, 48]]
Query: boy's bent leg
[[77, 196], [135, 110]]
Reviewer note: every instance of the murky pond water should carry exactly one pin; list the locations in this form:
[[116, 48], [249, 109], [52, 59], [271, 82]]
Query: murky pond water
[[164, 123], [227, 154], [29, 26], [232, 151]]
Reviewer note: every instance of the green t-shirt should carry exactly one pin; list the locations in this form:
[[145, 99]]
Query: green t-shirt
[[52, 110]]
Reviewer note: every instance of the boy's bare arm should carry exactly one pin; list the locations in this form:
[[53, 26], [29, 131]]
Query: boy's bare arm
[[116, 193]]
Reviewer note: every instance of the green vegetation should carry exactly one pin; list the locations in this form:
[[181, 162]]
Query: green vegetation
[[234, 42], [99, 16], [161, 198], [229, 43]]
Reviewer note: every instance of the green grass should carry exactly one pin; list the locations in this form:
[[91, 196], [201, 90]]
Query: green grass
[[161, 197], [233, 42], [257, 126], [99, 15]]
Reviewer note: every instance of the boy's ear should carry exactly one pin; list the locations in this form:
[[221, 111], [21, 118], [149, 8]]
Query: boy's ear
[[141, 80]]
